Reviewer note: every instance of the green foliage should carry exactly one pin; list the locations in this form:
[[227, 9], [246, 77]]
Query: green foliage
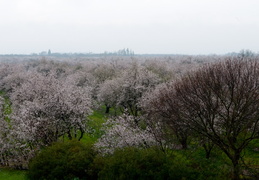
[[68, 160], [219, 166], [133, 163], [250, 159], [215, 167]]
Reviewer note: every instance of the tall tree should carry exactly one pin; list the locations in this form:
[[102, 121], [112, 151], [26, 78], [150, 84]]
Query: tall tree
[[220, 102]]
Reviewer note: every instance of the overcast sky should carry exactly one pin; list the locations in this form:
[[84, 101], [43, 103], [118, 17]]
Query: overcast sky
[[145, 26]]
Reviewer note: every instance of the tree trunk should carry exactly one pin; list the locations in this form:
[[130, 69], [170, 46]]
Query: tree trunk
[[236, 171], [184, 144], [69, 135], [208, 148], [81, 134], [236, 167], [107, 109], [208, 154]]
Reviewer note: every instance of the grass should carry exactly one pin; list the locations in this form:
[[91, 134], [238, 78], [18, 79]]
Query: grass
[[95, 124], [7, 106], [8, 174]]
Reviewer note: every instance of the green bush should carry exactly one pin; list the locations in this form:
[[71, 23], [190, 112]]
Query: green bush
[[77, 160], [133, 163], [68, 160]]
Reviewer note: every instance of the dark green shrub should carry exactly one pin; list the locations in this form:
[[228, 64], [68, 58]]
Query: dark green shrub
[[133, 163], [68, 160], [215, 167]]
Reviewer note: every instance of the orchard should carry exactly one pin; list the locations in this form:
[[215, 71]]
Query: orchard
[[111, 116]]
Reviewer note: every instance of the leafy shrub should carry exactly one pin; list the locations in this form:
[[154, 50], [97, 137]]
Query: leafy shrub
[[133, 163], [68, 160], [214, 168]]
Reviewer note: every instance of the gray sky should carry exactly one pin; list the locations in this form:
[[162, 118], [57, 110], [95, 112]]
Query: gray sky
[[145, 26]]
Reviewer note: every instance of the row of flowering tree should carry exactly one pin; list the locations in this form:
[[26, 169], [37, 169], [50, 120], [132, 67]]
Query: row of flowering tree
[[45, 100]]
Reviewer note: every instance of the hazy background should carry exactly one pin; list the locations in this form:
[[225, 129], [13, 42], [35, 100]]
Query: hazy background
[[145, 26]]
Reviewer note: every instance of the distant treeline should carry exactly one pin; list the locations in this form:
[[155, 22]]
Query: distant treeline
[[121, 52], [125, 52]]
